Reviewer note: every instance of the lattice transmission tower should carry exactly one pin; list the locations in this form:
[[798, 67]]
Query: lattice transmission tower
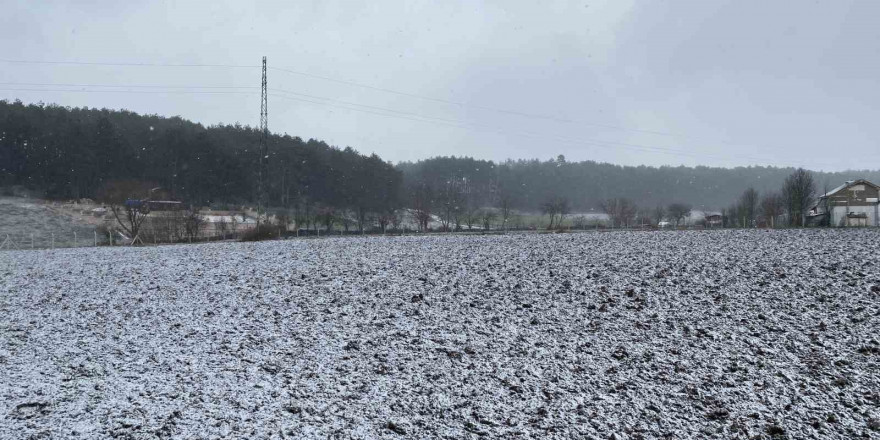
[[263, 171]]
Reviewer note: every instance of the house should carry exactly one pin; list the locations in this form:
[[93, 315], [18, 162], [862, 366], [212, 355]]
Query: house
[[855, 203], [164, 205], [714, 220]]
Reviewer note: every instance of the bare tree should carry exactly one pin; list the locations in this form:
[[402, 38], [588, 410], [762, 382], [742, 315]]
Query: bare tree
[[658, 214], [396, 219], [563, 208], [175, 225], [282, 218], [620, 210], [557, 209], [363, 218], [222, 227], [678, 212], [345, 217], [771, 207], [302, 216], [798, 192], [193, 222], [422, 202], [471, 217], [748, 203], [644, 217], [548, 208], [128, 201], [327, 215], [487, 216], [387, 217], [505, 209], [452, 198], [131, 216]]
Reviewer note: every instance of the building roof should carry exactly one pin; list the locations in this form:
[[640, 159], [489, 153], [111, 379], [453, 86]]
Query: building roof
[[848, 184]]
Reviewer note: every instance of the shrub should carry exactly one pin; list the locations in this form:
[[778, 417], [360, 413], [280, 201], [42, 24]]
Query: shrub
[[260, 233]]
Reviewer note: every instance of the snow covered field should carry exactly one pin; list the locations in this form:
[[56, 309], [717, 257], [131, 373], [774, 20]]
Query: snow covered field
[[626, 335]]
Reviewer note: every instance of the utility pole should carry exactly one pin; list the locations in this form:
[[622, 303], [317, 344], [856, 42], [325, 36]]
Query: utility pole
[[263, 171]]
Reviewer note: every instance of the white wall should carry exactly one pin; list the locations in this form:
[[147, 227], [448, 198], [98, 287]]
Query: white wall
[[838, 214]]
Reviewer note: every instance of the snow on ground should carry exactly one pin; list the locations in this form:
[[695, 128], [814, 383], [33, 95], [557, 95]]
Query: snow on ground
[[626, 335], [22, 218]]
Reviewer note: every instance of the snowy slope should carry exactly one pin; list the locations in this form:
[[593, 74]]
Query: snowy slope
[[715, 334]]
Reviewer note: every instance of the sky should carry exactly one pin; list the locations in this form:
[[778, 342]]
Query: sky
[[630, 82]]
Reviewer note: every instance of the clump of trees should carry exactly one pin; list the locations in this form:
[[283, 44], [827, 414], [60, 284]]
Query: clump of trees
[[658, 214], [556, 209], [793, 200], [677, 212], [771, 208], [798, 192], [621, 211]]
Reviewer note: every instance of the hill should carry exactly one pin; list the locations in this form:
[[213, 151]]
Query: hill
[[67, 153], [528, 183]]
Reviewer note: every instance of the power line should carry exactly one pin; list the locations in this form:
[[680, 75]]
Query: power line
[[411, 116], [173, 92], [365, 86], [419, 118], [476, 106], [404, 115], [483, 127], [119, 64], [136, 86], [380, 89]]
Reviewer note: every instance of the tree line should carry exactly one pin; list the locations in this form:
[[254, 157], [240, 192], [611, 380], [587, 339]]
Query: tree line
[[789, 204], [71, 153], [74, 153]]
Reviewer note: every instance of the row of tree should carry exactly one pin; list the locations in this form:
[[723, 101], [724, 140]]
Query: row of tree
[[77, 152], [790, 203], [527, 185]]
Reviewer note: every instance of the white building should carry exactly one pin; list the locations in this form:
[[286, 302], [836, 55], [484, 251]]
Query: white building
[[855, 203]]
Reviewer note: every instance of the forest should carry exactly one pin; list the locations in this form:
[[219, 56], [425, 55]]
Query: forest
[[69, 153], [72, 153], [587, 185]]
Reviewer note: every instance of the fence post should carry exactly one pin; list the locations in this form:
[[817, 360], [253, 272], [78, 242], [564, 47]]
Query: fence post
[[96, 238], [53, 240], [110, 237], [75, 241], [32, 240]]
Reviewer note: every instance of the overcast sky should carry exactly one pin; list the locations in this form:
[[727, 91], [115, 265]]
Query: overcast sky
[[721, 83]]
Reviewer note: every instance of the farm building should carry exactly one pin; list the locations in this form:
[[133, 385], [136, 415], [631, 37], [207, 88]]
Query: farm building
[[714, 220], [855, 203]]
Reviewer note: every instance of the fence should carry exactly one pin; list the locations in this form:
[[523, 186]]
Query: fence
[[60, 240]]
